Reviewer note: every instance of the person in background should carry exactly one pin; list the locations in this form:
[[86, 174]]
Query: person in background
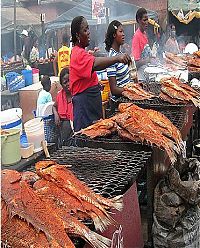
[[34, 54], [26, 47], [141, 50], [118, 74], [62, 108], [62, 58], [84, 86], [171, 44], [44, 95]]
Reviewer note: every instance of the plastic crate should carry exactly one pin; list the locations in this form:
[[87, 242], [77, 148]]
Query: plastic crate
[[50, 131]]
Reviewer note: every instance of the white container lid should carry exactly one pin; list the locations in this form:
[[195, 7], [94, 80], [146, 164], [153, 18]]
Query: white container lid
[[10, 115]]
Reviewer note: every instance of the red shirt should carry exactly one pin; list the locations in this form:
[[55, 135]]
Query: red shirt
[[81, 76], [139, 41], [64, 107]]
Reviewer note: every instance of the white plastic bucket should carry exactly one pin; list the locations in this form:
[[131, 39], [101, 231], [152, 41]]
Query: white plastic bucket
[[11, 118], [35, 132]]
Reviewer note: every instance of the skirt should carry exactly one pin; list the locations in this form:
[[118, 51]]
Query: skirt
[[87, 107]]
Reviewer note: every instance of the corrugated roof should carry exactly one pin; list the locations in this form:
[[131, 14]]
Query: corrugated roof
[[23, 16], [185, 5]]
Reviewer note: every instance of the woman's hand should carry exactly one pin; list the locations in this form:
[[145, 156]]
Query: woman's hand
[[57, 119], [125, 59]]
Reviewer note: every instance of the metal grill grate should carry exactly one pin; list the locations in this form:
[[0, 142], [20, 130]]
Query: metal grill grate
[[108, 172], [155, 88]]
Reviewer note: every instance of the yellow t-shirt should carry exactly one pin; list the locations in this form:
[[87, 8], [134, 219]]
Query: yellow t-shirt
[[63, 58]]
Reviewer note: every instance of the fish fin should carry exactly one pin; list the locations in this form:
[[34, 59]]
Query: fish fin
[[117, 202], [98, 241], [101, 223], [196, 102]]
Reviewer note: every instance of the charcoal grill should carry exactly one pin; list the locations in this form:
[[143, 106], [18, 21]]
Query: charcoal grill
[[107, 172], [155, 103]]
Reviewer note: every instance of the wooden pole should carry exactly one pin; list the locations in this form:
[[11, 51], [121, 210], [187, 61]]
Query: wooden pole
[[15, 31]]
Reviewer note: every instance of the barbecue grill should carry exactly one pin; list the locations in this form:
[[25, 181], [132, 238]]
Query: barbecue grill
[[107, 172], [156, 103]]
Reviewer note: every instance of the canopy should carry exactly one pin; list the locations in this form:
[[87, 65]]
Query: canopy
[[117, 10], [185, 5]]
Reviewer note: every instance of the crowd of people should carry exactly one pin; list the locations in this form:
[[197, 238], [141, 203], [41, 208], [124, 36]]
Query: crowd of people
[[79, 103]]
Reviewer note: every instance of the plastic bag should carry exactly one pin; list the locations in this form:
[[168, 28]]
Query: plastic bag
[[14, 81]]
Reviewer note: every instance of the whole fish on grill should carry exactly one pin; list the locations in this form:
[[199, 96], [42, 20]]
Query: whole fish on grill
[[100, 128], [43, 214], [172, 100], [166, 127], [163, 124], [197, 53], [175, 59], [73, 226], [179, 91], [140, 126], [194, 62], [18, 233], [76, 207], [22, 201], [135, 92], [66, 180]]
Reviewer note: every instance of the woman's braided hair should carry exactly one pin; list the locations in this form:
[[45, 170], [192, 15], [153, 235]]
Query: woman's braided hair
[[76, 27], [112, 29]]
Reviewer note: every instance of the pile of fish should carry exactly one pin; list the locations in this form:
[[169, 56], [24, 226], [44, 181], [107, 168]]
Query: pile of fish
[[41, 210], [174, 91], [135, 92], [194, 62], [175, 62], [143, 125]]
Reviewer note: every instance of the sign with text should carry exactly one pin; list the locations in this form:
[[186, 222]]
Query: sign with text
[[98, 9]]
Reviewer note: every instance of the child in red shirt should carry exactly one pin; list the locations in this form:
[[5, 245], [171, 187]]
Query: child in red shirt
[[62, 108]]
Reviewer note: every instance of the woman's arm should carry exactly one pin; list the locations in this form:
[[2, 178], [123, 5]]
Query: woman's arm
[[56, 115], [115, 90], [55, 61], [142, 62], [102, 63]]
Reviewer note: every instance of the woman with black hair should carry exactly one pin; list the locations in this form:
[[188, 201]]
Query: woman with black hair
[[118, 73], [84, 87]]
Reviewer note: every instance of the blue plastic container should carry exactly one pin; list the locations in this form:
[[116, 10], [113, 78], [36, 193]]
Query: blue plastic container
[[28, 76]]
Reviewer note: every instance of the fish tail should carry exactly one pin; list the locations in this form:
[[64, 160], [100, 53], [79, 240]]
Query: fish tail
[[118, 202], [196, 102], [101, 223], [98, 241]]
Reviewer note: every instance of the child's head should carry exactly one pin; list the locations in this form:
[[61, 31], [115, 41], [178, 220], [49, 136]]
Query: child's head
[[64, 78], [46, 83]]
